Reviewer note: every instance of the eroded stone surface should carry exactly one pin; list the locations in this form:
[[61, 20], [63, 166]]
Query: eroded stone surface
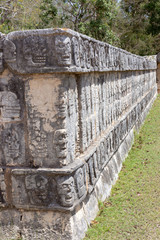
[[60, 50], [68, 108]]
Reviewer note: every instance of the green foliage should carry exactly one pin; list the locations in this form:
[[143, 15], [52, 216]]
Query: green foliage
[[92, 17], [48, 12], [19, 15], [28, 17], [8, 11], [140, 26], [153, 10], [99, 26]]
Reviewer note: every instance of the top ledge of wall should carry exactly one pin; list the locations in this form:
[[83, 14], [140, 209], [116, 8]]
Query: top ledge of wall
[[64, 50]]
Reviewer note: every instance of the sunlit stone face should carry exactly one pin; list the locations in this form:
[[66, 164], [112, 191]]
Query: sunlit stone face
[[63, 50], [9, 51], [65, 188], [80, 182], [35, 52], [61, 143]]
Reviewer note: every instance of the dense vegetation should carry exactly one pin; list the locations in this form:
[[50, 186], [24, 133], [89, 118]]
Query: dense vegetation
[[131, 24]]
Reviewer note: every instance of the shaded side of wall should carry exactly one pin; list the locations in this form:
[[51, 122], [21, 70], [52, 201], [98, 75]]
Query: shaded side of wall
[[158, 73]]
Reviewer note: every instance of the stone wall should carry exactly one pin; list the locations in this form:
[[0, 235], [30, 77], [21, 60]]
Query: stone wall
[[158, 72], [68, 108]]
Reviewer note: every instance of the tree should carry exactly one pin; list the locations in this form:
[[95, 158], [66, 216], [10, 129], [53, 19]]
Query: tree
[[76, 12], [100, 24], [8, 11], [19, 14], [48, 13], [28, 16], [134, 35], [92, 17], [153, 11]]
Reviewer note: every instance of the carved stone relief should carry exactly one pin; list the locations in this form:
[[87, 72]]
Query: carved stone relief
[[103, 154], [86, 129], [116, 136], [33, 188], [9, 50], [82, 55], [72, 121], [92, 171], [96, 54], [60, 141], [2, 37], [63, 50], [12, 144], [46, 50], [80, 182], [87, 54], [35, 52], [102, 57], [72, 187], [76, 51], [38, 138], [104, 103], [9, 107], [1, 62], [2, 188], [38, 189], [95, 163], [92, 58], [66, 192]]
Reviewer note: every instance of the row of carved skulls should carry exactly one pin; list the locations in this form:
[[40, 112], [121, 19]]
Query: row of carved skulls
[[87, 54], [68, 187]]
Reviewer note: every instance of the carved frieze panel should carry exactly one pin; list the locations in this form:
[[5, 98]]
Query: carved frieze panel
[[10, 51], [12, 144], [2, 38], [34, 50], [40, 189], [63, 50], [3, 197], [60, 139], [91, 172], [76, 48], [48, 189], [52, 120], [72, 123], [33, 189], [104, 98], [1, 62], [59, 50], [9, 107], [66, 191], [11, 99], [38, 138]]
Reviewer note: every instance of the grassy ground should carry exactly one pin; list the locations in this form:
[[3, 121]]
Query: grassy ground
[[133, 210]]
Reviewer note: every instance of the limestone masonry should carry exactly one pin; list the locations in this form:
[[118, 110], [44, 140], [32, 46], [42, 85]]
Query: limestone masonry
[[68, 108], [158, 72]]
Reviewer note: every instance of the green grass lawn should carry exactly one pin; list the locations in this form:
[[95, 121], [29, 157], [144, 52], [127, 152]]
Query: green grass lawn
[[133, 210]]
